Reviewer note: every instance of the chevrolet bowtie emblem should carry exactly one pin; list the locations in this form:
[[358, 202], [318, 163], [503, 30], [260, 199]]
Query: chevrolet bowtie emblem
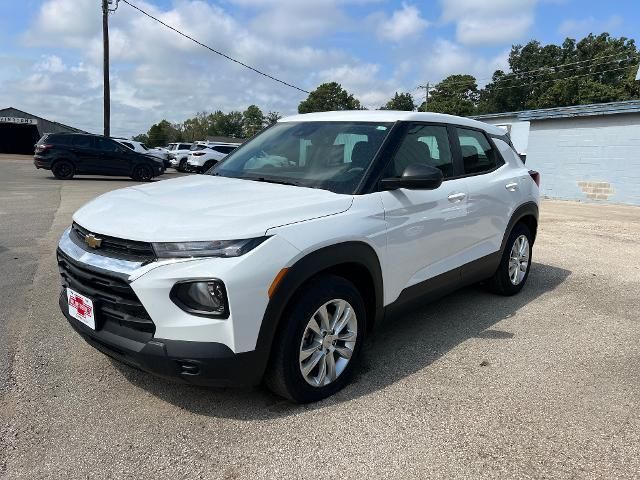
[[92, 241]]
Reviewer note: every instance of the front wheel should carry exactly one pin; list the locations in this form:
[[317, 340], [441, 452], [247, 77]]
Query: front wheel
[[318, 342], [182, 166], [142, 173], [515, 264]]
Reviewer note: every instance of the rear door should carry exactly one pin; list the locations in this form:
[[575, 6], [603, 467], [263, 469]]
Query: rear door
[[426, 233], [493, 189]]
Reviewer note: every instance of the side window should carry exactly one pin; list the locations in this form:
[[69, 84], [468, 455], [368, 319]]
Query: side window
[[106, 145], [478, 155], [82, 141], [423, 144], [184, 146], [127, 144]]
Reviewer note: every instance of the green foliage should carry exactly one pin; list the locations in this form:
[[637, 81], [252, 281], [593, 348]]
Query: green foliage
[[252, 121], [455, 95], [329, 97], [536, 81], [142, 138], [162, 133], [272, 117], [400, 101]]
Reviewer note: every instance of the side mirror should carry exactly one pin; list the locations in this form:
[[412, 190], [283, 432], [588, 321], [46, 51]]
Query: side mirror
[[417, 176]]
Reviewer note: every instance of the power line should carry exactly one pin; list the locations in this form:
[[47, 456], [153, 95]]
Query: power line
[[217, 52], [564, 78], [549, 69]]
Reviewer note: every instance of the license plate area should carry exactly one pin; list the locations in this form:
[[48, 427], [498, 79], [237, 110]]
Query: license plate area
[[81, 308]]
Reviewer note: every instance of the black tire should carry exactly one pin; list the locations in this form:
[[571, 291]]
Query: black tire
[[142, 173], [63, 170], [208, 165], [284, 376], [501, 282], [182, 165]]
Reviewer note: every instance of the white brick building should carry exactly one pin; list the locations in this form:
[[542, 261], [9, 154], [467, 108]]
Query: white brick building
[[585, 152]]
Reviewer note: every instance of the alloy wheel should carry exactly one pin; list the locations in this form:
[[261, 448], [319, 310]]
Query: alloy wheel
[[519, 260], [328, 342]]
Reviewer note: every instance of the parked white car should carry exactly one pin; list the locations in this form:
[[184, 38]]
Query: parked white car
[[277, 271], [202, 160], [142, 148], [179, 153]]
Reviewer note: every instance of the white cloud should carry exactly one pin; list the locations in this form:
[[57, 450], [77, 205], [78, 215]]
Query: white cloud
[[157, 74], [480, 22], [448, 58], [403, 23], [581, 27]]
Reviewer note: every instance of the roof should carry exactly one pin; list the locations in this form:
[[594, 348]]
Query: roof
[[43, 119], [218, 139], [387, 116], [595, 109]]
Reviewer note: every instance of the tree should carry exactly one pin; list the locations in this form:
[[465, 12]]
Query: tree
[[196, 128], [142, 138], [402, 101], [329, 97], [455, 95], [229, 125], [162, 133], [598, 68], [272, 117], [252, 121]]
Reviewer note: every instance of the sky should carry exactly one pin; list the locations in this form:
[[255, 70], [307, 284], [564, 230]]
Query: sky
[[51, 51]]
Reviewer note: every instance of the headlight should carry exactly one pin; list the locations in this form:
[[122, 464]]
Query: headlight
[[206, 298], [217, 248]]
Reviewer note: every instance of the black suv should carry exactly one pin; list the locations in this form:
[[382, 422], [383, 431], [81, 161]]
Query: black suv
[[69, 154]]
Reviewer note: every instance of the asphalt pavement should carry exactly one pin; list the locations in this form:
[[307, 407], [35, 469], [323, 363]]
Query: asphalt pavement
[[544, 384]]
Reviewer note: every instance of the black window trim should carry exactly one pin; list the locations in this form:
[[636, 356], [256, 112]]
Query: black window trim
[[500, 162], [389, 148]]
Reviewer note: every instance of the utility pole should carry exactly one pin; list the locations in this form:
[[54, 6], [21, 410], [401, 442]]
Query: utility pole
[[105, 68], [426, 87]]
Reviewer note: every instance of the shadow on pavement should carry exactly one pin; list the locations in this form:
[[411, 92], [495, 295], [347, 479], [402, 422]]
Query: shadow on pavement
[[408, 342]]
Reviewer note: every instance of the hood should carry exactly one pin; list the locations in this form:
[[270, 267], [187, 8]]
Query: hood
[[203, 207]]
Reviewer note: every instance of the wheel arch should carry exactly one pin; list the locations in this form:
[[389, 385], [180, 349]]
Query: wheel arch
[[356, 261], [526, 213]]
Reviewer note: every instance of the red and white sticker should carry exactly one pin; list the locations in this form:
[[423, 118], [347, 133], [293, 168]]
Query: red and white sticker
[[81, 308]]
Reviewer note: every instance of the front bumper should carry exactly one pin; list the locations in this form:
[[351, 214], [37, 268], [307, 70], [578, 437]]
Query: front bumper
[[138, 323], [198, 363]]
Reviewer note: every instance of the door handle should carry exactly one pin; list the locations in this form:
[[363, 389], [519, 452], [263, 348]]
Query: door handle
[[456, 197], [512, 187]]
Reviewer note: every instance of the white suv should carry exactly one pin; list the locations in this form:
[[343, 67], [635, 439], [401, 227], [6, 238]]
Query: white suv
[[202, 160], [278, 269], [178, 154]]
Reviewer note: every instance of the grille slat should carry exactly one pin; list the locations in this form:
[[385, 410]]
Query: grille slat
[[116, 247], [114, 299]]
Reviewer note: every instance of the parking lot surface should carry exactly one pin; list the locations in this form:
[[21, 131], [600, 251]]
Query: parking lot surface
[[544, 384]]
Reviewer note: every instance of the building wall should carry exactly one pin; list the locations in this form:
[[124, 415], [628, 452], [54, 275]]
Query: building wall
[[588, 158]]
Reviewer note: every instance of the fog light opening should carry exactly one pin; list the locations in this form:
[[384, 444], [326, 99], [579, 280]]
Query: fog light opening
[[201, 297]]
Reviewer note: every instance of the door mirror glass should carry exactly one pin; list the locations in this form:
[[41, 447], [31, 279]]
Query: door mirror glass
[[417, 176]]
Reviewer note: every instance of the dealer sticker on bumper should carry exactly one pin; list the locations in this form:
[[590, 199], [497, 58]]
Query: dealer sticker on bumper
[[81, 308]]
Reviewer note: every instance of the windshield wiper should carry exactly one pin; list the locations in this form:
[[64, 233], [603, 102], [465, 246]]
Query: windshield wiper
[[271, 180]]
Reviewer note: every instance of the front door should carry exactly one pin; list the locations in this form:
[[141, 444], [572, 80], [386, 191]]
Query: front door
[[115, 157], [426, 229]]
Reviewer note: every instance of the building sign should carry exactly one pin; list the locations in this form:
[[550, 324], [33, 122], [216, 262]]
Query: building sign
[[23, 121]]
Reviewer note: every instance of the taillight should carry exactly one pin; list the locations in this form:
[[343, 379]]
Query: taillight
[[43, 148], [536, 176], [197, 154]]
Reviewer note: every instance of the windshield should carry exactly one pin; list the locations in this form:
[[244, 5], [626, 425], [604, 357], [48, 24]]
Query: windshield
[[328, 155]]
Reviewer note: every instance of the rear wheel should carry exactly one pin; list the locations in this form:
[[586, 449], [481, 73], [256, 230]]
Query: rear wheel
[[182, 165], [515, 264], [318, 342], [63, 170], [142, 173]]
